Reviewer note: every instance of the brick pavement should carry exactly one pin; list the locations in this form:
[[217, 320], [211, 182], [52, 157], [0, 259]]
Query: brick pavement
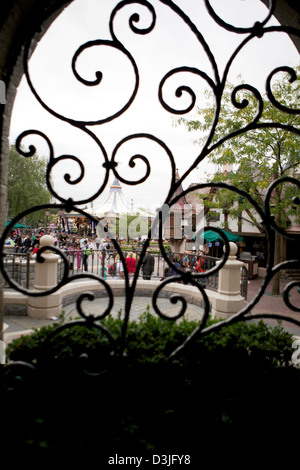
[[17, 325], [269, 304]]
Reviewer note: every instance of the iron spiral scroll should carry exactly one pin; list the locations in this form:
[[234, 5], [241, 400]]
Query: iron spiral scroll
[[216, 84]]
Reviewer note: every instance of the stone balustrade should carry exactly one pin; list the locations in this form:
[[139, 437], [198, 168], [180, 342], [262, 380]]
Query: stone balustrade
[[224, 302]]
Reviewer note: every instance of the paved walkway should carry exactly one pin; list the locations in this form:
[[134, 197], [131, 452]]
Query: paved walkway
[[268, 304], [16, 325]]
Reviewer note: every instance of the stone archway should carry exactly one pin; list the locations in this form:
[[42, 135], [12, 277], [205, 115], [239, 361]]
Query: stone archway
[[21, 20]]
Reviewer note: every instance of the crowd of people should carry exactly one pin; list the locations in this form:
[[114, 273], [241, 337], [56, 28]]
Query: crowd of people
[[74, 248], [117, 269], [191, 262], [79, 249], [24, 242]]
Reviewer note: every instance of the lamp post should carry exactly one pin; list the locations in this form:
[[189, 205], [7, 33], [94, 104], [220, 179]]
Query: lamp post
[[60, 213], [47, 215]]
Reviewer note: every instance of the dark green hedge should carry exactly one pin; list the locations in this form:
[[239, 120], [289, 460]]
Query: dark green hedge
[[231, 390], [152, 339]]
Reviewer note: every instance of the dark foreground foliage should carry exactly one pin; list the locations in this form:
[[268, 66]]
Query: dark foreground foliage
[[231, 391]]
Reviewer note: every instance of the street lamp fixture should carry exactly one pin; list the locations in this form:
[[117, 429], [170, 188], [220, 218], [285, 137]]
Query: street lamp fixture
[[60, 213], [47, 215]]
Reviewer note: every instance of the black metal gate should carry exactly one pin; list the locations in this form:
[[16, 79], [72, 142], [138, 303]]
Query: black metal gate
[[216, 82]]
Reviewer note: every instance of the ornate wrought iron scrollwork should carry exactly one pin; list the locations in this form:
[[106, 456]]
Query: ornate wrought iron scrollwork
[[217, 85]]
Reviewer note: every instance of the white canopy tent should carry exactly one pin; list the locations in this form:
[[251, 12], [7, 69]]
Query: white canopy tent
[[114, 203], [113, 210]]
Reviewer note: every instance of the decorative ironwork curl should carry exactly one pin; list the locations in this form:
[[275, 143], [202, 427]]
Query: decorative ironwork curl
[[177, 297], [181, 89], [275, 103], [90, 296], [286, 295], [134, 19], [56, 160], [267, 204], [32, 149], [142, 158], [245, 102], [99, 75]]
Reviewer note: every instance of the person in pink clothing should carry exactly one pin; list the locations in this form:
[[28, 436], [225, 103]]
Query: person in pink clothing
[[131, 264], [78, 255]]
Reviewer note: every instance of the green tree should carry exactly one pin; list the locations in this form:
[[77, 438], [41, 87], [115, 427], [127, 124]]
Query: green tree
[[26, 186], [261, 143]]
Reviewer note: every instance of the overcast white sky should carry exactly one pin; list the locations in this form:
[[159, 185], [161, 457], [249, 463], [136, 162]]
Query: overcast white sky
[[171, 44]]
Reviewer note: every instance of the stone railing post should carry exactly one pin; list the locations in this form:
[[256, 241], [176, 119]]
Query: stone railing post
[[228, 300], [45, 277]]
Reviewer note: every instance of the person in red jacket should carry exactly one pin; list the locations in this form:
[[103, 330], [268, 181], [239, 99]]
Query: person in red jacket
[[131, 264], [36, 247], [200, 265]]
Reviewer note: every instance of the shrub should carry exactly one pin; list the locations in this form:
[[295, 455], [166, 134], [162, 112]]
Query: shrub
[[226, 387], [152, 339]]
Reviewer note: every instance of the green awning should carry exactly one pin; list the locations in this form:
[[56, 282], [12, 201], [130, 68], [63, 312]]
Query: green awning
[[17, 225], [211, 236]]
